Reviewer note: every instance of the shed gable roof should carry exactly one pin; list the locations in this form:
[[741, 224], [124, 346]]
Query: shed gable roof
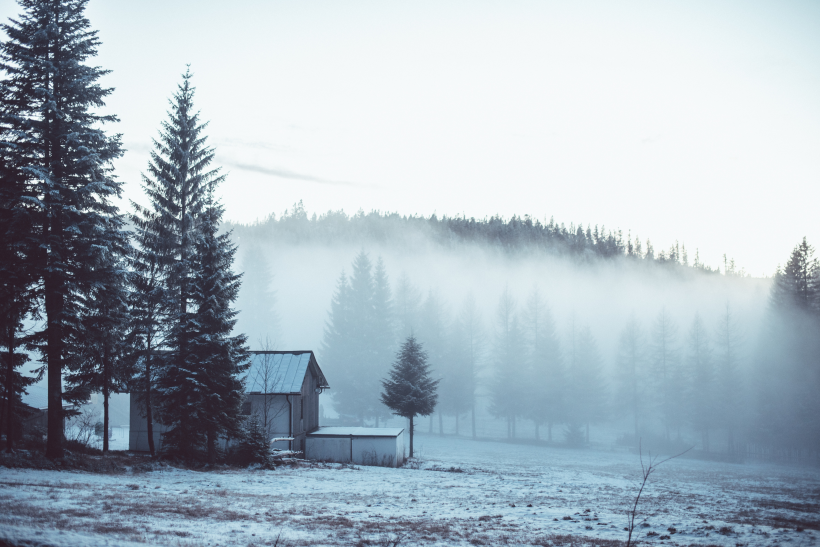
[[281, 372]]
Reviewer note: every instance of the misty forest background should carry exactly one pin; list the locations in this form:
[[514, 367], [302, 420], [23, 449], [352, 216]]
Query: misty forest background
[[543, 331], [536, 330]]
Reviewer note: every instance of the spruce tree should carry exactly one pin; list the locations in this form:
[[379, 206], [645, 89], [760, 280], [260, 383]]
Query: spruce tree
[[632, 375], [664, 364], [407, 301], [702, 395], [586, 392], [257, 299], [383, 334], [432, 332], [97, 359], [336, 350], [464, 349], [18, 295], [149, 312], [508, 359], [789, 374], [544, 377], [253, 446], [178, 228], [357, 338], [728, 385], [51, 100], [217, 357], [409, 391]]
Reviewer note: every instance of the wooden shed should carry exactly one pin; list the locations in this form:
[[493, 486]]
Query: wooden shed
[[282, 390], [382, 446]]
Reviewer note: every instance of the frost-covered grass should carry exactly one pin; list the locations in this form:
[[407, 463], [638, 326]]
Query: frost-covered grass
[[463, 493]]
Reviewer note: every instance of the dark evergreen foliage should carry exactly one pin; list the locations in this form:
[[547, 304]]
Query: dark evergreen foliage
[[148, 313], [97, 359], [409, 389], [18, 295], [252, 446], [788, 360], [517, 234], [184, 265], [217, 357], [51, 100]]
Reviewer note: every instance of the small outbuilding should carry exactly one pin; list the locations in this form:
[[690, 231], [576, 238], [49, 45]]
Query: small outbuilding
[[382, 446], [282, 390]]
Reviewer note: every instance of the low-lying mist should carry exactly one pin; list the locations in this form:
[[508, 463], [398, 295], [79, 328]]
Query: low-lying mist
[[643, 344]]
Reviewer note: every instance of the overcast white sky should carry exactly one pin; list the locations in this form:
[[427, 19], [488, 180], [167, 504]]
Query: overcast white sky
[[696, 121]]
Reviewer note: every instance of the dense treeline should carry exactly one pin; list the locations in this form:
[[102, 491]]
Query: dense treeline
[[516, 234], [109, 310], [668, 383]]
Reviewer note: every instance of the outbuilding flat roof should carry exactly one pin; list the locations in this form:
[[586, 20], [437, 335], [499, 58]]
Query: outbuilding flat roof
[[357, 432]]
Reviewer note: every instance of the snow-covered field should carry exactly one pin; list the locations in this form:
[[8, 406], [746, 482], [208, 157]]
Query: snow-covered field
[[463, 493]]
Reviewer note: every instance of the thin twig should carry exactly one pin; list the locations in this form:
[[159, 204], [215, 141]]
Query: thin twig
[[646, 470]]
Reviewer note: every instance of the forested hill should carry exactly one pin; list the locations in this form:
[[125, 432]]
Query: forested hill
[[513, 235]]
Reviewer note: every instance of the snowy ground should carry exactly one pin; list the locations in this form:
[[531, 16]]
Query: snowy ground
[[464, 493]]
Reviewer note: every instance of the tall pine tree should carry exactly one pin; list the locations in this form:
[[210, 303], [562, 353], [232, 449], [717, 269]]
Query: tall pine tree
[[631, 377], [701, 397], [18, 295], [508, 359], [729, 387], [664, 363], [464, 354], [196, 394], [218, 357], [544, 385], [52, 99]]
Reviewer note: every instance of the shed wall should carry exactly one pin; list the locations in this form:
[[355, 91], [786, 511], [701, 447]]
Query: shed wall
[[328, 449]]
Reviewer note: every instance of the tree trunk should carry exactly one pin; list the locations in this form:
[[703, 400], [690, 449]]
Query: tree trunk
[[513, 426], [10, 390], [54, 363], [411, 436], [149, 415], [431, 424], [53, 240], [105, 418], [472, 418], [440, 424], [211, 447]]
